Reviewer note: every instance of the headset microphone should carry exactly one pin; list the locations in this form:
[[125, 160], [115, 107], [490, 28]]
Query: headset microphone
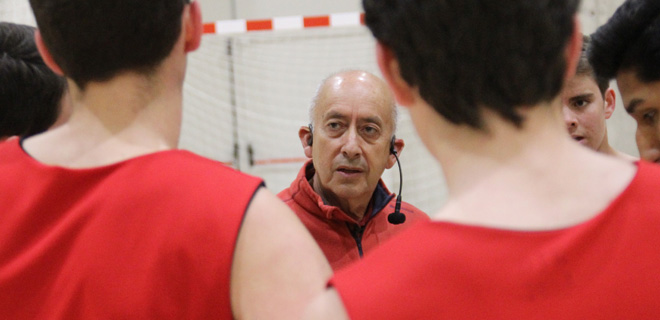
[[397, 217]]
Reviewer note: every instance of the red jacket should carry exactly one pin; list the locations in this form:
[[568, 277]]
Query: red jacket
[[342, 238]]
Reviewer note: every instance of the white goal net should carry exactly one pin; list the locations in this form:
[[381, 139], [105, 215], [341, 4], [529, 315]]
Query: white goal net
[[247, 94]]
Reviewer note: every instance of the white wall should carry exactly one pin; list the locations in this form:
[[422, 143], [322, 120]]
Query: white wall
[[258, 9], [16, 11]]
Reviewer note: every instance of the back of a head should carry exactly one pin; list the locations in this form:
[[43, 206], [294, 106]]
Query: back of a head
[[630, 40], [30, 93], [94, 40], [467, 54]]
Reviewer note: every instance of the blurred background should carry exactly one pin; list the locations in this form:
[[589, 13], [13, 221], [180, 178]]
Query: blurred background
[[247, 93]]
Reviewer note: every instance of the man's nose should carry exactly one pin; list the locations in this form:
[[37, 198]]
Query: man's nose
[[351, 147], [649, 144], [569, 117]]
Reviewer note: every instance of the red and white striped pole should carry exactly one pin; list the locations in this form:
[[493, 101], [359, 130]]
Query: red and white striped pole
[[284, 23]]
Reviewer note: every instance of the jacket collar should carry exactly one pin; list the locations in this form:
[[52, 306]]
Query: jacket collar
[[305, 196]]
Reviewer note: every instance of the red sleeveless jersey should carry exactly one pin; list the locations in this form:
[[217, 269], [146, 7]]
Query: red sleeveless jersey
[[147, 238], [605, 268]]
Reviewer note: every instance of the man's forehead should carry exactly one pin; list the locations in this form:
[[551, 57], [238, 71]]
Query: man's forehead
[[355, 94], [582, 80], [580, 86], [635, 93], [346, 113]]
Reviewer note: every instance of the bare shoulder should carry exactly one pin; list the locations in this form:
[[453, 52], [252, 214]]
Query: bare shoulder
[[327, 305], [625, 156], [413, 213], [277, 265], [618, 172]]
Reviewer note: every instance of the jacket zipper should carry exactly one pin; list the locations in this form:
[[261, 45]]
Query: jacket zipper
[[356, 232]]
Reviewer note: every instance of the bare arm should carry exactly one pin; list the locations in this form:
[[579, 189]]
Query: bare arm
[[328, 306], [278, 267]]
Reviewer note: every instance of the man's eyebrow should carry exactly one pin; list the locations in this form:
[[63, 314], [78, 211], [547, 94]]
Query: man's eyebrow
[[338, 115], [334, 115], [634, 103], [373, 119], [585, 96]]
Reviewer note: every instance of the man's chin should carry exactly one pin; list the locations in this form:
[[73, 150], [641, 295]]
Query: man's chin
[[585, 143], [351, 192]]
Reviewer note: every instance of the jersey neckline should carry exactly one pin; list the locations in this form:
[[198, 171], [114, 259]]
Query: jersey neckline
[[595, 219]]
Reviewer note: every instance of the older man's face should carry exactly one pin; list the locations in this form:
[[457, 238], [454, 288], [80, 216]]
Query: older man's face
[[353, 129]]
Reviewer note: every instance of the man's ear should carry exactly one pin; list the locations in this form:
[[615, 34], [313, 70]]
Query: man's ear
[[610, 102], [45, 54], [389, 67], [573, 50], [398, 146], [194, 27], [306, 139]]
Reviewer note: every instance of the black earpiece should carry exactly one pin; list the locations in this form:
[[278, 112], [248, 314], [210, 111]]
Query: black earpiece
[[310, 140], [397, 217]]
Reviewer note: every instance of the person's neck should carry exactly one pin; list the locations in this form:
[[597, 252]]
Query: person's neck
[[606, 148], [127, 116], [472, 155], [520, 178], [355, 207]]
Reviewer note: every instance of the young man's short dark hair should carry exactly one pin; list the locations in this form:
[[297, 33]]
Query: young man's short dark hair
[[30, 93], [585, 68], [95, 47], [461, 67], [630, 40]]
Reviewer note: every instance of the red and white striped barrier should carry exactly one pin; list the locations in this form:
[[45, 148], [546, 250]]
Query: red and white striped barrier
[[284, 23]]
